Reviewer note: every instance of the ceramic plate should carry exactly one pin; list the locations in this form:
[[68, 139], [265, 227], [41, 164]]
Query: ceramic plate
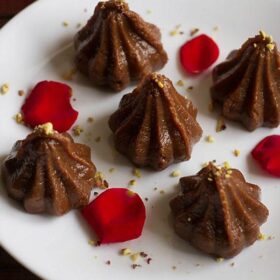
[[36, 46]]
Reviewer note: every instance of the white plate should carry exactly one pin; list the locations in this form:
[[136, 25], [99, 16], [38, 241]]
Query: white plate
[[36, 46]]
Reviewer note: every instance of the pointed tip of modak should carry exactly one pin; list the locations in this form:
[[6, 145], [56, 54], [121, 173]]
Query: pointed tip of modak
[[118, 5], [263, 41]]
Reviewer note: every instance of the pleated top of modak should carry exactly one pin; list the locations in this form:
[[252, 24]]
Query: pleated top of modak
[[48, 172], [154, 125], [218, 212], [117, 46], [247, 84]]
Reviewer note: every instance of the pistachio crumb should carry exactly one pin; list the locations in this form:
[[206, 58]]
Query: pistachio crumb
[[125, 252], [236, 152], [194, 31], [77, 130], [92, 242], [65, 23], [21, 92], [180, 83], [162, 192], [263, 34], [175, 173], [219, 260], [132, 183], [210, 139], [226, 165], [46, 128], [134, 257], [112, 170], [19, 118], [270, 47], [190, 89], [216, 28], [148, 11], [232, 264], [262, 236], [137, 172], [79, 25], [5, 88]]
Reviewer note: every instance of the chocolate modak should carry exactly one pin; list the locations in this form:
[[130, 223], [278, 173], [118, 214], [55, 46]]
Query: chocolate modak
[[154, 125], [49, 172], [247, 85], [218, 212], [117, 46]]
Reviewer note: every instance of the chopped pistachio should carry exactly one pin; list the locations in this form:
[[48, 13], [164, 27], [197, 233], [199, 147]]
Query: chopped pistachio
[[210, 139], [132, 183], [134, 257], [112, 170], [190, 89], [18, 118], [219, 260], [262, 236], [5, 88], [125, 252], [194, 31], [137, 172], [236, 152], [46, 128], [175, 173], [270, 46], [226, 165], [180, 83], [77, 130], [21, 92], [65, 23]]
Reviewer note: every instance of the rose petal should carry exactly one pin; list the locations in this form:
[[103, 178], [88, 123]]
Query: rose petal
[[267, 154], [116, 215], [198, 54], [50, 102]]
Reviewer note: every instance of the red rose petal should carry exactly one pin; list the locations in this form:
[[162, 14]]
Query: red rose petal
[[116, 215], [198, 54], [267, 154], [50, 102]]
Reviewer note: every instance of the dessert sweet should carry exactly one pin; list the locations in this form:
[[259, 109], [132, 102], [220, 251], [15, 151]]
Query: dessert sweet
[[247, 85], [154, 125], [218, 212], [48, 172], [116, 215], [117, 46]]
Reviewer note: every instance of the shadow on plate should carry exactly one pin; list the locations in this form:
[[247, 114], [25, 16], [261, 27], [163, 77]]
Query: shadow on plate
[[160, 223]]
